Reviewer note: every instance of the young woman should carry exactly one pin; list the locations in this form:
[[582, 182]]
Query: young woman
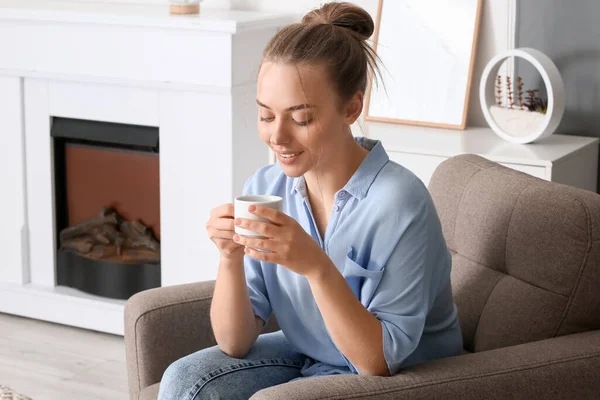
[[358, 275]]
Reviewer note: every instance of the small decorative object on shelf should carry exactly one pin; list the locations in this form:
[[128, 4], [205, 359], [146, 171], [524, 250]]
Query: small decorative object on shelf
[[183, 7], [7, 393], [519, 119]]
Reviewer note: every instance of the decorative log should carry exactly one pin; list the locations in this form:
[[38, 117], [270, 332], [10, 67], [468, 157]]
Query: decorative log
[[102, 251], [106, 216], [102, 238], [115, 236], [119, 244], [140, 255], [80, 245], [140, 235], [110, 230], [108, 236]]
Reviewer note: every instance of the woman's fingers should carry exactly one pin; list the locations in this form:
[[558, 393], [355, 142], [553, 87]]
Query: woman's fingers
[[220, 229], [224, 210], [264, 228], [220, 234], [222, 224], [256, 243]]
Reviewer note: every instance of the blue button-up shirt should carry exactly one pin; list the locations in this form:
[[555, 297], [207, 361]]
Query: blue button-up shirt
[[385, 238]]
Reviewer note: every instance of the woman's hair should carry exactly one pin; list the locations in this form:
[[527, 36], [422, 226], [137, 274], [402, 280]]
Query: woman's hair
[[334, 35]]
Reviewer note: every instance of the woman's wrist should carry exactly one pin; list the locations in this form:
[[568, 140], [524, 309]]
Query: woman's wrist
[[321, 272], [232, 261]]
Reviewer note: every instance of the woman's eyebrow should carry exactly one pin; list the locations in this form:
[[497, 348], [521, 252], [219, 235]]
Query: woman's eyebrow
[[292, 108]]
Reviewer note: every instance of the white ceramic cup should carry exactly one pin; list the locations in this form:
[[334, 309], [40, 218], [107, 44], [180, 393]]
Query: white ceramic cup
[[242, 203]]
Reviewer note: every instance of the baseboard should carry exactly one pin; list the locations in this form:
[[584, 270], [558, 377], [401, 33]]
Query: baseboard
[[63, 305]]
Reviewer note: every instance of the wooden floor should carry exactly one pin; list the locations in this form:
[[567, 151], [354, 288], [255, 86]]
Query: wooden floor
[[47, 361]]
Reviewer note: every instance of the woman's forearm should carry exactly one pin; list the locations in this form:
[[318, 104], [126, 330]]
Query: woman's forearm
[[355, 331], [231, 314]]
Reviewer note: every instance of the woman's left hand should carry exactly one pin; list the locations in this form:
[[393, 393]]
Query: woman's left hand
[[288, 243]]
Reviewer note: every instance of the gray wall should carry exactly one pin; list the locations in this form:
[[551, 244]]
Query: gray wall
[[568, 31]]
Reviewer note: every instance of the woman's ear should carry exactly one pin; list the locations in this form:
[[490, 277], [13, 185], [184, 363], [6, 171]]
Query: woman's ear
[[354, 107]]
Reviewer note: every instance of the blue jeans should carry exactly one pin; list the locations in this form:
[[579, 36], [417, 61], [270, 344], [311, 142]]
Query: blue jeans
[[211, 374]]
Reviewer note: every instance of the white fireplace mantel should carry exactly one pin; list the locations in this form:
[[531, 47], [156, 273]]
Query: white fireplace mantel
[[193, 77]]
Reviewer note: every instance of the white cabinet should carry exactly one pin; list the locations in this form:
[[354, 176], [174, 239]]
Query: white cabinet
[[422, 165], [571, 160]]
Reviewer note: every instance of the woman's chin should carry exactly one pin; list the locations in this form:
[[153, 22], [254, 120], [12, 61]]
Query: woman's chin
[[291, 171]]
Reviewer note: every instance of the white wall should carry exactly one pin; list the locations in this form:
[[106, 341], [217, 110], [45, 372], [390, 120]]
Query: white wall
[[494, 35], [569, 33]]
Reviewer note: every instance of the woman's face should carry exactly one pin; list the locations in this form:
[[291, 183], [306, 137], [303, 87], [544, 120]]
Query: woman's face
[[299, 115]]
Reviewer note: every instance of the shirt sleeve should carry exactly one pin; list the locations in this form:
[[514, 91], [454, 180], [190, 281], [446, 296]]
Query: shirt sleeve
[[404, 292], [255, 281]]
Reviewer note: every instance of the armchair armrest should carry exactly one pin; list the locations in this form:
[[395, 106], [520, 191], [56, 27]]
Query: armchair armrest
[[565, 367], [163, 325]]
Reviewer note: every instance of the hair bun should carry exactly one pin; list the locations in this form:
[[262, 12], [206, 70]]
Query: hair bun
[[345, 15]]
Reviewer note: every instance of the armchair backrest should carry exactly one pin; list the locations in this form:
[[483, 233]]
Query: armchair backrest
[[526, 253]]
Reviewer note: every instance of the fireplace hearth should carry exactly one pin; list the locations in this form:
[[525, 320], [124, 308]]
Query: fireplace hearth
[[107, 207]]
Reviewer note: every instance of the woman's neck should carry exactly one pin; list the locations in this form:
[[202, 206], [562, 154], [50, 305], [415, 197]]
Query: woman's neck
[[334, 175]]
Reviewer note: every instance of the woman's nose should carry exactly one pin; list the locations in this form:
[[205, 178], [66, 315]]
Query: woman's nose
[[280, 136]]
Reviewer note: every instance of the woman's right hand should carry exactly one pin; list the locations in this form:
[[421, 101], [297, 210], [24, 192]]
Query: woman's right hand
[[221, 229]]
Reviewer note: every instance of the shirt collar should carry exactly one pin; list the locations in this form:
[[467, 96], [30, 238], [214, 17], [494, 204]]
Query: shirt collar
[[365, 175], [299, 185]]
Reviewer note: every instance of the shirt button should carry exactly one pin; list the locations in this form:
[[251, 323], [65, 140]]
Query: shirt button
[[342, 194], [336, 208]]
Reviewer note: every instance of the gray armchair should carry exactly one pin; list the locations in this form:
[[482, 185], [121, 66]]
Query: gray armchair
[[526, 281]]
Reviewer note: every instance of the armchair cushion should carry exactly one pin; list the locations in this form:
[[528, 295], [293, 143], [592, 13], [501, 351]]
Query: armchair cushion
[[566, 367], [150, 393]]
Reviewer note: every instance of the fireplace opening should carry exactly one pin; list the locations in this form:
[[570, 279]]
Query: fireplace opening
[[107, 206]]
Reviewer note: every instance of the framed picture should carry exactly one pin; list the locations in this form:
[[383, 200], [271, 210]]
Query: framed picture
[[427, 54]]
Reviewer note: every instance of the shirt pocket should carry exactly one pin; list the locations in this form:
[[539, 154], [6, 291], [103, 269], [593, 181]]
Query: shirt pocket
[[361, 281]]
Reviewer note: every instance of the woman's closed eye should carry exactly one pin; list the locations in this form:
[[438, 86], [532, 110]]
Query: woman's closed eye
[[267, 119], [303, 123], [299, 123]]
